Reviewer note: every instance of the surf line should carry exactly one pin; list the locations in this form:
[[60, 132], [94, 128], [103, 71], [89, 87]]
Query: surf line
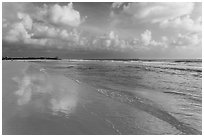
[[113, 126]]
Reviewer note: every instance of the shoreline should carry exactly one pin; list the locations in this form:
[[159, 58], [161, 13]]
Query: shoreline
[[86, 110], [145, 60]]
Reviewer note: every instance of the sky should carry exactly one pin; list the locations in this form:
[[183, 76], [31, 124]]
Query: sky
[[83, 30]]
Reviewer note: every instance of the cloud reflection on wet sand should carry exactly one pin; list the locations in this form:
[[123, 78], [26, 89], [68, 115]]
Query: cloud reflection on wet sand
[[41, 89]]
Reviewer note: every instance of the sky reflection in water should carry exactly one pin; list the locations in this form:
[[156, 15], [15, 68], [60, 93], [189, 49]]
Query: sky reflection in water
[[44, 90]]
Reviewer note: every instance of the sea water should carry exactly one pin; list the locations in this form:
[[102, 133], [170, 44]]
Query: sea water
[[169, 90], [175, 85]]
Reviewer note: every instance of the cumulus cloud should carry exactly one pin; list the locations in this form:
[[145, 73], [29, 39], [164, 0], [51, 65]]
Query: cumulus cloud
[[17, 33], [44, 31], [184, 23], [62, 15], [45, 26], [146, 37], [187, 40], [57, 26], [167, 15], [158, 12], [181, 40], [164, 38], [26, 20], [146, 40], [117, 4], [110, 41], [179, 17], [22, 31]]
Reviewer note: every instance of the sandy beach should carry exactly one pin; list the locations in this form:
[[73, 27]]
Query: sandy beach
[[101, 68], [37, 100]]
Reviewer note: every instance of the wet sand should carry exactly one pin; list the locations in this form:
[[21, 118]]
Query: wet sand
[[39, 101]]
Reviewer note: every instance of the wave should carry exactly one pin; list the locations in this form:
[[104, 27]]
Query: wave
[[191, 96], [168, 67], [196, 69], [139, 60]]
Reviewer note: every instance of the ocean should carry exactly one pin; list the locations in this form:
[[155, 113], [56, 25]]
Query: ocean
[[130, 96]]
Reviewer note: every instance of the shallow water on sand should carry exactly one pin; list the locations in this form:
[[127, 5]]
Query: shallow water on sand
[[102, 97]]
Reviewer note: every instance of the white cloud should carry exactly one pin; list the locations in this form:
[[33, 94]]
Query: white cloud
[[19, 30], [49, 25], [181, 40], [55, 25], [146, 40], [164, 38], [183, 23], [117, 4], [17, 33], [42, 35], [110, 41], [43, 31], [26, 30], [26, 20], [187, 40], [158, 12], [61, 15], [146, 37]]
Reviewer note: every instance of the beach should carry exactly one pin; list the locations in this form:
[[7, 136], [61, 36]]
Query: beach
[[101, 97]]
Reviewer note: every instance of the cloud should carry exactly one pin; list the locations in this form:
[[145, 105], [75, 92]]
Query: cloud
[[184, 23], [62, 15], [44, 31], [181, 40], [172, 17], [180, 16], [50, 25], [187, 40], [59, 26], [59, 37], [26, 20], [146, 40], [158, 12], [110, 41], [117, 4], [17, 33], [22, 31], [146, 37]]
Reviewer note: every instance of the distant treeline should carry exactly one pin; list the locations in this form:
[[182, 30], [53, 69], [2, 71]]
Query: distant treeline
[[29, 58], [149, 60]]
